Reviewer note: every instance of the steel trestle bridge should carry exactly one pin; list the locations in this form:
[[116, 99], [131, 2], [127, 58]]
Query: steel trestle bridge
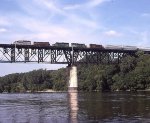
[[11, 53]]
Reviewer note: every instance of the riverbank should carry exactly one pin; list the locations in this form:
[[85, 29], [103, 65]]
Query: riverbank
[[47, 90], [44, 91]]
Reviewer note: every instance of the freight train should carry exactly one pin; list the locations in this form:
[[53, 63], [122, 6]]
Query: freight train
[[57, 44], [94, 46]]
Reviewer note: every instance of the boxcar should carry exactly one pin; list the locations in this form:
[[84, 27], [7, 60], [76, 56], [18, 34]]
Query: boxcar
[[41, 44], [97, 46]]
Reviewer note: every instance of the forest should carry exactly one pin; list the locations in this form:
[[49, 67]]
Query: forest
[[132, 74]]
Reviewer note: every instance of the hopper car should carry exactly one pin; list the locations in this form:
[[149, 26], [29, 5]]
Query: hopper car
[[144, 48], [116, 47], [130, 48], [22, 42], [78, 45], [61, 44]]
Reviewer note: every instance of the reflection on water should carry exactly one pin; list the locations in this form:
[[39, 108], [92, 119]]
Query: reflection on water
[[73, 102], [116, 107], [34, 108]]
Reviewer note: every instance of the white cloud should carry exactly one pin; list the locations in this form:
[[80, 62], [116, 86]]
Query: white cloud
[[44, 30], [69, 7], [94, 3], [2, 30], [70, 19], [112, 33], [51, 5], [55, 33], [73, 18], [86, 5]]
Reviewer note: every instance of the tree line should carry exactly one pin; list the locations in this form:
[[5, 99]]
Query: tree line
[[133, 73], [36, 80]]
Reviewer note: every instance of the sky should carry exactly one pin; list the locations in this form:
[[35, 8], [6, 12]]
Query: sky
[[106, 22]]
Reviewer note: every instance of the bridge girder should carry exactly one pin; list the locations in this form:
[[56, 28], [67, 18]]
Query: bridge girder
[[60, 55]]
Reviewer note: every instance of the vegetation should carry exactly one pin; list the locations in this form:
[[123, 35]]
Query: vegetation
[[133, 73], [37, 80]]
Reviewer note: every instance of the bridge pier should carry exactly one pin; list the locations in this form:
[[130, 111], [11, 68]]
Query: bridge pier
[[73, 79]]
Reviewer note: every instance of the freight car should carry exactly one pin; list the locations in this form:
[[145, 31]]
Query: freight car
[[22, 42], [144, 48], [130, 48], [41, 44], [78, 45], [61, 44], [97, 46], [117, 47]]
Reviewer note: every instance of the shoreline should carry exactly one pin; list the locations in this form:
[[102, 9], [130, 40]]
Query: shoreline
[[54, 91], [44, 91]]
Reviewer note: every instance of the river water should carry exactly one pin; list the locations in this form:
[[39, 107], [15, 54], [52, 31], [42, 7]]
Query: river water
[[96, 107]]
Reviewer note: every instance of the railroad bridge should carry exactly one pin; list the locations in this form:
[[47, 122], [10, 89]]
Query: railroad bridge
[[12, 53]]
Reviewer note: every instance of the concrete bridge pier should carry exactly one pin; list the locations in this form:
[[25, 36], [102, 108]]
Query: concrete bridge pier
[[73, 79]]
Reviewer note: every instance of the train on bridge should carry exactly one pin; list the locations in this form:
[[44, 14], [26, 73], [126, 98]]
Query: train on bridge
[[79, 45]]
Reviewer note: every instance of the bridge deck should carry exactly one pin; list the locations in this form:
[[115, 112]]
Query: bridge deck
[[10, 53]]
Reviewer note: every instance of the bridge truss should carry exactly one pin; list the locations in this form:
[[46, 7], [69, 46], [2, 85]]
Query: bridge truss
[[10, 53]]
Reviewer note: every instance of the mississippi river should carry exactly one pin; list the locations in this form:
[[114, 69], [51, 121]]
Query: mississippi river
[[96, 107]]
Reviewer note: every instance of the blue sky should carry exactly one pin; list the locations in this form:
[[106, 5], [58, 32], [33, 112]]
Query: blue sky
[[115, 22]]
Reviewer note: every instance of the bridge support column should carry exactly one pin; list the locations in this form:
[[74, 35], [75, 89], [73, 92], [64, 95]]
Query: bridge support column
[[73, 80]]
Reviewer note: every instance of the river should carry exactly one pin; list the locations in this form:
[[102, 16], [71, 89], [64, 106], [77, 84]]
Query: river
[[96, 107]]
